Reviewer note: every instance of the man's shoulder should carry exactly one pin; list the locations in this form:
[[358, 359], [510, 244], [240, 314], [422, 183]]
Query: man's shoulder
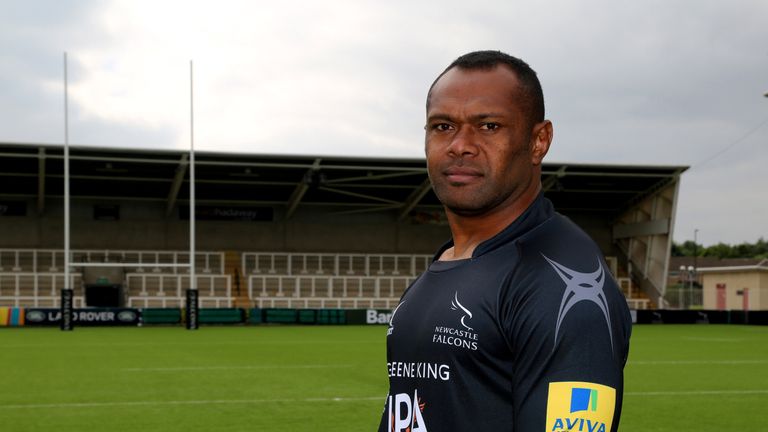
[[558, 236], [558, 252]]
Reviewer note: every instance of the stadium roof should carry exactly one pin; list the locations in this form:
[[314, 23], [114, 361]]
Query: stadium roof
[[356, 184]]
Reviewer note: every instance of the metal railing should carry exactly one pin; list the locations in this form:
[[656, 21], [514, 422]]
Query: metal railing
[[52, 260], [284, 263], [326, 303], [167, 288], [684, 297], [276, 286], [176, 302], [36, 289]]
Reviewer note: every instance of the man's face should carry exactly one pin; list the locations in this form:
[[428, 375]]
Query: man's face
[[478, 141]]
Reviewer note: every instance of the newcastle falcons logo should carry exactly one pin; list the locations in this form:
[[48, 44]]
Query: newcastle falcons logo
[[455, 305], [392, 318], [581, 287]]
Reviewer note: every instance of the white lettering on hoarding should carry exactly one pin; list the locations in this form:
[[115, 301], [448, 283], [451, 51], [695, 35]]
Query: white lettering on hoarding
[[373, 316]]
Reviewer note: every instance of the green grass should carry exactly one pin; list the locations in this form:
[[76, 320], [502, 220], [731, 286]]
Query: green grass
[[287, 378], [697, 378]]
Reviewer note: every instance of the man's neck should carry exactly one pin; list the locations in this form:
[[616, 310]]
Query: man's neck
[[469, 231]]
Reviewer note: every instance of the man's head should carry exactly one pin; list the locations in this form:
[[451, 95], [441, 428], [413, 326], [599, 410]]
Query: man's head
[[486, 135], [530, 96]]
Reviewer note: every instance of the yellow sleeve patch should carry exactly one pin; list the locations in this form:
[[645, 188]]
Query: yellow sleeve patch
[[580, 406]]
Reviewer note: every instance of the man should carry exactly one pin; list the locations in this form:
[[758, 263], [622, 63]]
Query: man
[[517, 325]]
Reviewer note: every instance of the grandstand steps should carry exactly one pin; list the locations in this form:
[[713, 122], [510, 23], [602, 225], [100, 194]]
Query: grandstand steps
[[636, 297], [232, 263]]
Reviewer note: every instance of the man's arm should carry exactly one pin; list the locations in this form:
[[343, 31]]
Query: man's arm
[[569, 349]]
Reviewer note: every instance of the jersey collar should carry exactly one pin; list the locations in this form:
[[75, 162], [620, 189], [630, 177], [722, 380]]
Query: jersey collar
[[540, 210]]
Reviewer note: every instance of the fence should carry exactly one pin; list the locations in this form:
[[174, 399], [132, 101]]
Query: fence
[[167, 290], [52, 260], [684, 297], [37, 289], [275, 263]]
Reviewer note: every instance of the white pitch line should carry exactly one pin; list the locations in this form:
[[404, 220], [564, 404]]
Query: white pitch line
[[706, 339], [695, 362], [224, 343], [334, 399], [187, 402], [697, 393], [205, 368]]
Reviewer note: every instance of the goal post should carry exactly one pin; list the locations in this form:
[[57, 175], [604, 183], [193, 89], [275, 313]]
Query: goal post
[[67, 290], [192, 300]]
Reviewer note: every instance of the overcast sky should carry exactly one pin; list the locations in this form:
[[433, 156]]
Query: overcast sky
[[652, 82]]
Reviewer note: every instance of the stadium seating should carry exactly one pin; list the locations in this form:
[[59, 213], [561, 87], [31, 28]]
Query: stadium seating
[[32, 289], [301, 280], [159, 279], [34, 277]]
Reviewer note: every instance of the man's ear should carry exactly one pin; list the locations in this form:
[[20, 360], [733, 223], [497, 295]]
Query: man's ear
[[541, 138]]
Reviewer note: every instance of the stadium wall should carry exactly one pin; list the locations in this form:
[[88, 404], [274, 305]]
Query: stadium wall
[[598, 226], [144, 226]]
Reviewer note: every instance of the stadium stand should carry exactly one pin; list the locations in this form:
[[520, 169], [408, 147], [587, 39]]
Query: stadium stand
[[362, 217]]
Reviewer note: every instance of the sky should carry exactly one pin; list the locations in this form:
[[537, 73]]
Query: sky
[[653, 82]]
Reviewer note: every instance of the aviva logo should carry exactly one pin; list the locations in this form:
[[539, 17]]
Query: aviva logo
[[581, 397], [580, 406]]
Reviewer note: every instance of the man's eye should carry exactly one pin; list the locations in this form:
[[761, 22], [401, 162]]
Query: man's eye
[[489, 126], [442, 127]]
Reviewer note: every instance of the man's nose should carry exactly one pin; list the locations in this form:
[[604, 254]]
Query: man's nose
[[464, 142]]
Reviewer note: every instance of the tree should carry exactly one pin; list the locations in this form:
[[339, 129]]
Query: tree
[[687, 248], [721, 250]]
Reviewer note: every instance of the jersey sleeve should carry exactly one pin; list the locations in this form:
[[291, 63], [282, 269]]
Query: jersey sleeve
[[569, 346]]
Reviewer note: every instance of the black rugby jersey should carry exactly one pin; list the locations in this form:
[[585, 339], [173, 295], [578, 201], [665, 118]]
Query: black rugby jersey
[[530, 334]]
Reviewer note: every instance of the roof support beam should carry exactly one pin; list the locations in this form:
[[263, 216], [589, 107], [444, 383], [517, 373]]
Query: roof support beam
[[358, 195], [178, 179], [366, 210], [674, 178], [301, 189], [553, 179], [40, 181], [414, 198], [373, 177]]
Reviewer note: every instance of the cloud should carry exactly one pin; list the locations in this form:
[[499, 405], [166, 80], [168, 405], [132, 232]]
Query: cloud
[[726, 200], [630, 83]]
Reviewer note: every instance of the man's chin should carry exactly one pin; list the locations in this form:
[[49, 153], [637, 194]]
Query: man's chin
[[466, 210]]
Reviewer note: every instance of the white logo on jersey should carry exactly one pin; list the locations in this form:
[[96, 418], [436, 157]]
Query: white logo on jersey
[[581, 287], [455, 305], [392, 318], [406, 415]]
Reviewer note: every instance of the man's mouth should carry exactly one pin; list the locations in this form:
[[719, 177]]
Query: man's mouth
[[461, 175]]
